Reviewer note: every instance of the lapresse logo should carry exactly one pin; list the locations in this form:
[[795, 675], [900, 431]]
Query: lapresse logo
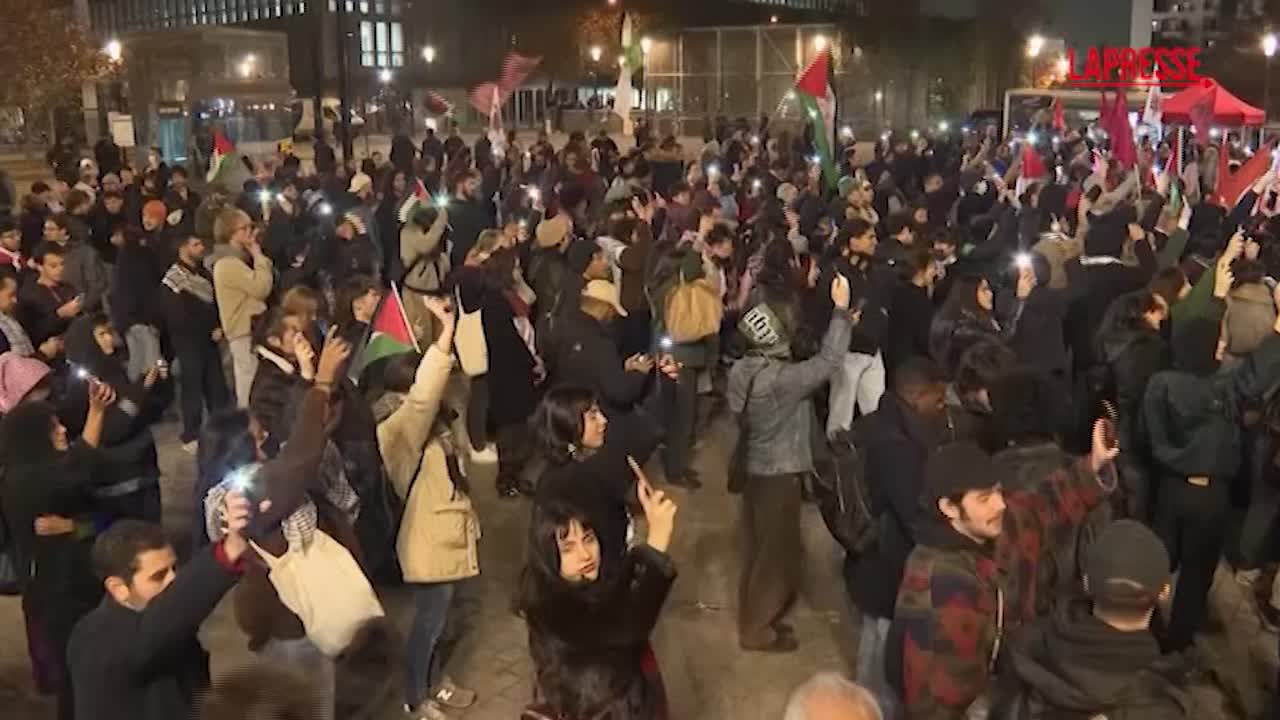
[[1125, 67]]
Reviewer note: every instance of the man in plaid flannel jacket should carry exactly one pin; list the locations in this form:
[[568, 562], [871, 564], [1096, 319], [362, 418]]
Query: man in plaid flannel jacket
[[972, 575]]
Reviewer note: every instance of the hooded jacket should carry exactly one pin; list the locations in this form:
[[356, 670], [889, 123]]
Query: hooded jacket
[[958, 599], [1073, 662], [779, 408], [1193, 412]]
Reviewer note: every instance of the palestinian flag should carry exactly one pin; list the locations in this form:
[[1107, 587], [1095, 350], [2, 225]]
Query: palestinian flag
[[222, 151], [816, 92], [389, 334], [419, 196]]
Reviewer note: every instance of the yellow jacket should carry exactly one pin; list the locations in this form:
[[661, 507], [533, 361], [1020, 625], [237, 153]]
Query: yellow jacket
[[439, 530]]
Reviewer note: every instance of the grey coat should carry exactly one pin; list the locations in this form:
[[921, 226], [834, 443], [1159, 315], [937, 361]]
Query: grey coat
[[780, 409]]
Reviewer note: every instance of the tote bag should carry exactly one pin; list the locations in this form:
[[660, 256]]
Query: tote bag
[[326, 589], [469, 342]]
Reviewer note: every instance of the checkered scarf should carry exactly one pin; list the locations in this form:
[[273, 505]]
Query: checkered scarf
[[300, 526]]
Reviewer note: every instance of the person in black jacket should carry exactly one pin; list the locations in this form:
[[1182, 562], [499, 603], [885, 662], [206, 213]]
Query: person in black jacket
[[467, 215], [1131, 349], [45, 475], [47, 305], [969, 318], [587, 352], [191, 321], [1039, 339], [129, 475], [590, 610], [860, 381], [136, 656], [1193, 416], [911, 310], [285, 370], [910, 423], [1097, 657]]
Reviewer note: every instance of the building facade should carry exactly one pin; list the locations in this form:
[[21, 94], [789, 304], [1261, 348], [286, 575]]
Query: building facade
[[1198, 22]]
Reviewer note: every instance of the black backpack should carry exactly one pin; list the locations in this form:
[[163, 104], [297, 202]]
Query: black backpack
[[841, 490]]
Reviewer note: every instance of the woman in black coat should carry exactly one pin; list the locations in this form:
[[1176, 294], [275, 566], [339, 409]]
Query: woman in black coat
[[129, 480], [591, 607], [45, 475], [285, 370], [1131, 349], [966, 319], [503, 398], [587, 458]]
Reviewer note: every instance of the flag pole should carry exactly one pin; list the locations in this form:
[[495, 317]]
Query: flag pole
[[404, 316]]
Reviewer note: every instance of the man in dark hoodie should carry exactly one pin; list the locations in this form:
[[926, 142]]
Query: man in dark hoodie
[[1097, 658], [911, 423], [1193, 416]]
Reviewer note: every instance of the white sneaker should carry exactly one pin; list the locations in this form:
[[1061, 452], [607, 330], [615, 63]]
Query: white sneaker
[[449, 694], [191, 447], [487, 456]]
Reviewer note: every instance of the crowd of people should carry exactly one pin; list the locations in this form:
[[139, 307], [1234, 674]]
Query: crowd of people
[[1035, 397]]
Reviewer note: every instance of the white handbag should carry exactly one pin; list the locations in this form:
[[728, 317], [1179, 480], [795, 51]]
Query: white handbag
[[325, 587], [468, 340]]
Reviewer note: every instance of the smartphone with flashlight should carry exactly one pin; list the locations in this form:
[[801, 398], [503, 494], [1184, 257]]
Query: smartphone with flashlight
[[1022, 261]]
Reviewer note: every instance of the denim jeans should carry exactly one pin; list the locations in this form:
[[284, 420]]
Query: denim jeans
[[422, 664], [873, 635], [858, 381], [305, 659], [143, 342]]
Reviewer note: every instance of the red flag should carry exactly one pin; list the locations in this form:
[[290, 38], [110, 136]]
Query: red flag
[[1059, 117], [1232, 185], [516, 68], [1122, 147], [1032, 164], [1201, 113]]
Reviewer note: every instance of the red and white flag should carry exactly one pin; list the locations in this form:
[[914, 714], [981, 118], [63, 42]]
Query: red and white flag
[[516, 68]]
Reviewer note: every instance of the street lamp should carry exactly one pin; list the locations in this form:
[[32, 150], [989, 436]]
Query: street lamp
[[384, 76], [429, 54], [1035, 44], [113, 50], [1268, 49]]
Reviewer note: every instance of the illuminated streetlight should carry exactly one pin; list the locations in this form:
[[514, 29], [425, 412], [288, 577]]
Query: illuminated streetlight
[[1035, 44], [384, 75], [820, 42], [773, 19], [1269, 44], [429, 54], [113, 50], [879, 95], [944, 126], [596, 52], [646, 44]]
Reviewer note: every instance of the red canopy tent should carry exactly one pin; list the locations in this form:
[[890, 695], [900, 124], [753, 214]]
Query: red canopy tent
[[1227, 109]]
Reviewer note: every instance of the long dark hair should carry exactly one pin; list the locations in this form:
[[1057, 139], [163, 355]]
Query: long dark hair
[[961, 306], [544, 597], [1124, 317], [558, 421], [25, 434]]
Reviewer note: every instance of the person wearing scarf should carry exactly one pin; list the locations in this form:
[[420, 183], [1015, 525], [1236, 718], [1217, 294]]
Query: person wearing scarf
[[191, 317]]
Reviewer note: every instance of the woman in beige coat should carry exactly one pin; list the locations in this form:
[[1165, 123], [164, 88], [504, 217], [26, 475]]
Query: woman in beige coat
[[439, 529]]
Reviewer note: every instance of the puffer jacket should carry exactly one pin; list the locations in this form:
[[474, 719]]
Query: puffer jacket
[[440, 530], [779, 409]]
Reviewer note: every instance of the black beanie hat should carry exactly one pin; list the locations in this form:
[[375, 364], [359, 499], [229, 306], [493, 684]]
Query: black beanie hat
[[958, 468]]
